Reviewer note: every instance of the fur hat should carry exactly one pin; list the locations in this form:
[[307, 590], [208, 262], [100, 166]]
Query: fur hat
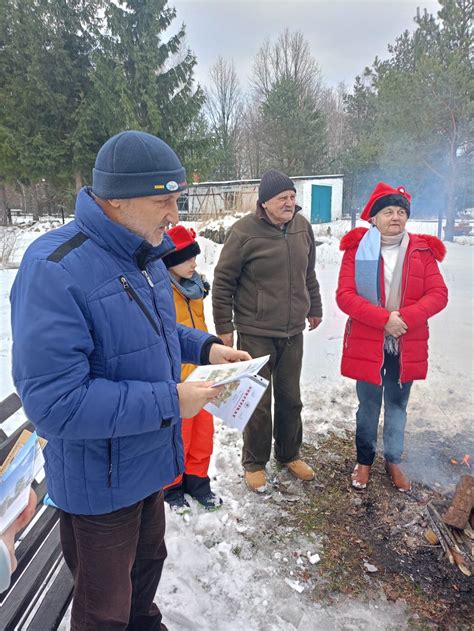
[[136, 164], [186, 246], [272, 183], [384, 195]]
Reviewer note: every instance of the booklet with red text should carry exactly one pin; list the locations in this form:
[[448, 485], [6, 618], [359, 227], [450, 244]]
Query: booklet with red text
[[243, 389]]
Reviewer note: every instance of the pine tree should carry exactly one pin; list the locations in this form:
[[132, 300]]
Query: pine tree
[[47, 47], [155, 91], [425, 100]]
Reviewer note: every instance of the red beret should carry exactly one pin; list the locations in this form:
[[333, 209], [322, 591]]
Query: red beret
[[384, 195]]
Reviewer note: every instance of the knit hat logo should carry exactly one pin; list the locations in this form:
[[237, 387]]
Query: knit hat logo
[[172, 186]]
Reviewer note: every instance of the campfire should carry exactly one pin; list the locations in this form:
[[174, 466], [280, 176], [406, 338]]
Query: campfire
[[454, 530], [466, 461]]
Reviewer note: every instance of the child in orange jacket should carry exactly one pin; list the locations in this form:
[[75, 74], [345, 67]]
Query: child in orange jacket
[[189, 291]]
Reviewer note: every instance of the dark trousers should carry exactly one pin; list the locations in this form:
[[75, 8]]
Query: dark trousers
[[116, 561], [395, 399], [283, 370]]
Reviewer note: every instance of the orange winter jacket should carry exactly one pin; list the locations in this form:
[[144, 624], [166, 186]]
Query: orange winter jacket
[[190, 313]]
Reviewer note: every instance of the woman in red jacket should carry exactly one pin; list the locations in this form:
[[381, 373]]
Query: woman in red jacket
[[389, 285]]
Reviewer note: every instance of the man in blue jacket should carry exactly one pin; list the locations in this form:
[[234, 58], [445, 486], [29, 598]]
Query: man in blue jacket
[[96, 360]]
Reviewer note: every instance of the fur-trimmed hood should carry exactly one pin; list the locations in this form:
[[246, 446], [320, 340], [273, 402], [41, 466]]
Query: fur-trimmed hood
[[423, 241]]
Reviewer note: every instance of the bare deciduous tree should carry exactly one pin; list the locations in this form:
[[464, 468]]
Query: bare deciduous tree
[[288, 59], [287, 94], [333, 105], [224, 106]]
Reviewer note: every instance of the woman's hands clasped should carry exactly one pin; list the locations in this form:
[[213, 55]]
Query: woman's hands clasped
[[395, 325]]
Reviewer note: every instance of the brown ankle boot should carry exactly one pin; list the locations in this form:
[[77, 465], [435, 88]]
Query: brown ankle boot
[[300, 470], [360, 476], [398, 478], [256, 480]]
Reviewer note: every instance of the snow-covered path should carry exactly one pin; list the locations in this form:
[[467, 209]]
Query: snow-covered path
[[240, 568]]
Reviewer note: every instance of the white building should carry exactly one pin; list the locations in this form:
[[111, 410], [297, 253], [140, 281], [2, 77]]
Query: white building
[[320, 197]]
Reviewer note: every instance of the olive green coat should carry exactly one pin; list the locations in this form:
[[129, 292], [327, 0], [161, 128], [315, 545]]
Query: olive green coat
[[265, 282]]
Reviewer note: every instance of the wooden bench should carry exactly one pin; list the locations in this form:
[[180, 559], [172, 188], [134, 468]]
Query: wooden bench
[[41, 586]]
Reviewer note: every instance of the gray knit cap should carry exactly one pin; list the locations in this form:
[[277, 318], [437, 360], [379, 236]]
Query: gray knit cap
[[272, 183]]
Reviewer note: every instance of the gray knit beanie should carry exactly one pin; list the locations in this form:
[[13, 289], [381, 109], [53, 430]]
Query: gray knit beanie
[[272, 183], [136, 164]]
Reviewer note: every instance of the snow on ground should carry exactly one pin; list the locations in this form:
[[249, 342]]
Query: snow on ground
[[224, 571]]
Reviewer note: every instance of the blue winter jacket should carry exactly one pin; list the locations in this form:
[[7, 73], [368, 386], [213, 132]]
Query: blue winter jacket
[[96, 358]]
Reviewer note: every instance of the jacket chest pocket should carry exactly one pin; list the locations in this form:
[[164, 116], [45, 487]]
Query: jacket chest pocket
[[123, 321]]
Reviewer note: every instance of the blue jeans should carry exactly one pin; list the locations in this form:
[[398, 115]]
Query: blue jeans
[[395, 398]]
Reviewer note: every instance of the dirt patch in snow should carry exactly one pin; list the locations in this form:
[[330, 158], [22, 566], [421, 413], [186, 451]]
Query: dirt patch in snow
[[372, 541]]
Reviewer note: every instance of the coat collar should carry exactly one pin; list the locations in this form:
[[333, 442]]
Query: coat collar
[[114, 237], [417, 242]]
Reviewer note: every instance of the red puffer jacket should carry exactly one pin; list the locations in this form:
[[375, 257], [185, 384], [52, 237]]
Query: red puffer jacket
[[424, 293]]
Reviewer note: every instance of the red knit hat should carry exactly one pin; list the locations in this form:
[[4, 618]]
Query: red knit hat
[[384, 195], [186, 246]]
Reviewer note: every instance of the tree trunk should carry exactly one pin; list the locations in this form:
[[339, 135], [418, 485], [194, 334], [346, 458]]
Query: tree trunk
[[78, 181], [450, 208], [36, 202], [5, 214]]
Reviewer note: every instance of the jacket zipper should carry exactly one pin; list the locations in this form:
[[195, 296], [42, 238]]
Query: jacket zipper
[[382, 289], [289, 283], [401, 305], [400, 345], [151, 285], [190, 310], [110, 462], [132, 294]]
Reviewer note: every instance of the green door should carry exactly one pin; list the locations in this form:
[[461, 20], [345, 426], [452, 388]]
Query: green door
[[320, 203]]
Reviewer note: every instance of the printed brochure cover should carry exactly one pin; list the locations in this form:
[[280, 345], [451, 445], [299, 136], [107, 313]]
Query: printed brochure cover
[[16, 475], [243, 389]]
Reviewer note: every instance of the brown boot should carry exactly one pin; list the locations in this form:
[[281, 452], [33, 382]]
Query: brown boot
[[399, 479], [300, 470], [360, 476], [256, 480]]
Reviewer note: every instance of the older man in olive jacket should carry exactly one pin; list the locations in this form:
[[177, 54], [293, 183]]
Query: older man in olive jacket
[[265, 287]]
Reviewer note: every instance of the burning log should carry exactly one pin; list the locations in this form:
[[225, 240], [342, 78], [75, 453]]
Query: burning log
[[459, 512], [440, 537], [450, 542]]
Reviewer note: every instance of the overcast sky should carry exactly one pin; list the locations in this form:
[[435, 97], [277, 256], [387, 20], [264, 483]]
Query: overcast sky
[[344, 35]]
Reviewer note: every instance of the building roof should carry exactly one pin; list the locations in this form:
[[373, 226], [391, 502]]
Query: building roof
[[250, 182]]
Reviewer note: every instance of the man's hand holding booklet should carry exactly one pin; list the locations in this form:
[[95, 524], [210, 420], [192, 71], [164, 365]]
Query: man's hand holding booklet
[[17, 472], [243, 389]]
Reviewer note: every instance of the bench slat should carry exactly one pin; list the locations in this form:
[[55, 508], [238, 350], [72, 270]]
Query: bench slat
[[41, 586], [9, 441], [55, 603], [24, 592], [9, 406], [38, 533]]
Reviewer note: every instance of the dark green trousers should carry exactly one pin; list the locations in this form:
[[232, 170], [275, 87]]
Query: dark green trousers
[[283, 372]]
